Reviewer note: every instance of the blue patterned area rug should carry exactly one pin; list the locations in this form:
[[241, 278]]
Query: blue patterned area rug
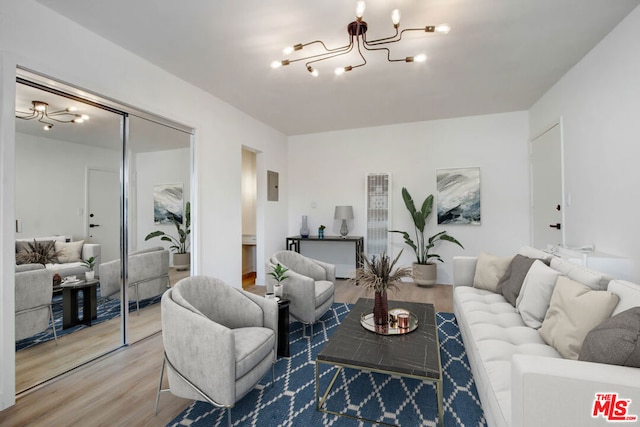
[[390, 399], [105, 311]]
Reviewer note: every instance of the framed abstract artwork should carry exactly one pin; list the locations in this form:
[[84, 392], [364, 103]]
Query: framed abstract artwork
[[458, 196], [167, 203]]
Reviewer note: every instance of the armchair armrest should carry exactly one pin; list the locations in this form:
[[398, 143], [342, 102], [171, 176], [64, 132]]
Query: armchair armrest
[[464, 270], [329, 268], [549, 391]]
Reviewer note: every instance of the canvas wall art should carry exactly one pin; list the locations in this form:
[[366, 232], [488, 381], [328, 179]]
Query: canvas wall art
[[167, 202], [458, 196]]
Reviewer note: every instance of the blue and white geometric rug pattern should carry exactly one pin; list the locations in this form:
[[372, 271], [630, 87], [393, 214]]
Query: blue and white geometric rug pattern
[[390, 399], [106, 310]]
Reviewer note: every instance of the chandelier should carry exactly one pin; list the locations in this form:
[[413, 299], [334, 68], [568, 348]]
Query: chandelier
[[357, 31], [40, 111]]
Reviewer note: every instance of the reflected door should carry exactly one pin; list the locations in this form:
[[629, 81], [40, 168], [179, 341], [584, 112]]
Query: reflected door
[[546, 189], [103, 194]]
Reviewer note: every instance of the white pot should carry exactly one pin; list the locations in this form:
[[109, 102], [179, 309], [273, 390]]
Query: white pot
[[425, 274], [278, 290], [89, 275]]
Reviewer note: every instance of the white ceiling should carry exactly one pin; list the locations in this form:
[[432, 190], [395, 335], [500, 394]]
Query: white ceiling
[[501, 55]]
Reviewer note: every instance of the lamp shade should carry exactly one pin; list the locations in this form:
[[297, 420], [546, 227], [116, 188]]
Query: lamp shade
[[343, 212]]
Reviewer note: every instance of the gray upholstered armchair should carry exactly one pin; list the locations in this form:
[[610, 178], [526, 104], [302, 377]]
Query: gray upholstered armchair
[[310, 286], [148, 275], [34, 289], [219, 341]]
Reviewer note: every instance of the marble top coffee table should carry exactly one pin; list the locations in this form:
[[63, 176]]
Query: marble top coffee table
[[412, 355]]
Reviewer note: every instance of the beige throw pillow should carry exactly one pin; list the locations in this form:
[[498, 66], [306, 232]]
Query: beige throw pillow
[[489, 271], [69, 252], [575, 309]]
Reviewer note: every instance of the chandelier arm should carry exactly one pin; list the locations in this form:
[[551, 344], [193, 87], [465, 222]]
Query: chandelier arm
[[361, 56], [388, 53], [380, 41], [324, 46], [41, 120], [60, 121], [327, 56], [31, 115]]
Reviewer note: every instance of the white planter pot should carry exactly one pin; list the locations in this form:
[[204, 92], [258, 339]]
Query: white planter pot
[[90, 275], [425, 274], [182, 261]]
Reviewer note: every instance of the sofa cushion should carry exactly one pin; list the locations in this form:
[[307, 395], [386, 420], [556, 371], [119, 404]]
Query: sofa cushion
[[616, 341], [489, 271], [252, 344], [69, 252], [537, 288], [574, 310], [511, 283], [530, 252]]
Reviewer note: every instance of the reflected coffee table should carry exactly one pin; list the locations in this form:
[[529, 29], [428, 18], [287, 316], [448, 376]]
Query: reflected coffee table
[[70, 312], [412, 355]]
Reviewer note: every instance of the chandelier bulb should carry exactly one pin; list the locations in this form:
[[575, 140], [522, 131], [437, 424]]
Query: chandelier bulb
[[420, 58], [443, 29], [339, 71], [278, 64], [72, 109], [395, 17], [85, 117], [312, 71], [360, 7], [47, 127], [287, 50]]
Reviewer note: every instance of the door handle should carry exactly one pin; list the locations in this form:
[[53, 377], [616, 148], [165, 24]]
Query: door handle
[[557, 225], [94, 225]]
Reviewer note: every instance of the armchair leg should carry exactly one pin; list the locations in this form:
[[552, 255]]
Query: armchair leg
[[164, 361], [304, 328], [53, 325], [229, 417]]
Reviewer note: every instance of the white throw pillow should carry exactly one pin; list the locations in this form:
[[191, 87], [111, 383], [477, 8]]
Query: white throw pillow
[[489, 271], [578, 273], [69, 252], [575, 309], [537, 288]]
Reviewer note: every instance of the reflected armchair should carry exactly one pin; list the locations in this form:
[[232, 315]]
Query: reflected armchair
[[218, 341], [34, 289], [310, 286]]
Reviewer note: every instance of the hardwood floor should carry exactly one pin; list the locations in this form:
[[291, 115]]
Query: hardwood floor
[[119, 389]]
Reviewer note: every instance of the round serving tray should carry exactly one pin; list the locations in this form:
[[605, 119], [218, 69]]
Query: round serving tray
[[366, 320]]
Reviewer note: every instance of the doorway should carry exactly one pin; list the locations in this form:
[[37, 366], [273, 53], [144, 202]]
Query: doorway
[[249, 207], [547, 189]]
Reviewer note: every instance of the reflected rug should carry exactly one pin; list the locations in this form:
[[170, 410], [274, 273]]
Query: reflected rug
[[106, 310], [388, 399]]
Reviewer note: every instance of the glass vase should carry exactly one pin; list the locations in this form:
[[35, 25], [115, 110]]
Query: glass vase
[[304, 230], [381, 309]]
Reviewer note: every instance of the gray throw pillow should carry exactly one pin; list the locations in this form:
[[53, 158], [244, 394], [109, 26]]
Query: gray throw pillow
[[511, 283], [616, 341]]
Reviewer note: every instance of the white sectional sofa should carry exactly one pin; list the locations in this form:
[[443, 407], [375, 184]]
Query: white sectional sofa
[[70, 263], [521, 379]]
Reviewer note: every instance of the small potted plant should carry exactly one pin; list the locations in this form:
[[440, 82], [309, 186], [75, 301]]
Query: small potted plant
[[321, 232], [279, 273], [424, 271], [89, 263], [181, 257]]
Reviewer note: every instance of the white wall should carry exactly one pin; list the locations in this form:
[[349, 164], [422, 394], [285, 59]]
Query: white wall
[[599, 102], [329, 169], [50, 184], [95, 64]]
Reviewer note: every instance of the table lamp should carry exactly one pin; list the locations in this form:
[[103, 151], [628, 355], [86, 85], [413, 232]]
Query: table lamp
[[343, 213]]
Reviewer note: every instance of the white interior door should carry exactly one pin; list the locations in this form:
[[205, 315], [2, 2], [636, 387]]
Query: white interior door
[[103, 212], [546, 189]]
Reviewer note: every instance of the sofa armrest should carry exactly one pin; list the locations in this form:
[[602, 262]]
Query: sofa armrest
[[549, 391], [464, 270]]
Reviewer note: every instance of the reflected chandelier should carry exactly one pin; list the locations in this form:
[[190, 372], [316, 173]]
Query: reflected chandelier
[[40, 111], [357, 31]]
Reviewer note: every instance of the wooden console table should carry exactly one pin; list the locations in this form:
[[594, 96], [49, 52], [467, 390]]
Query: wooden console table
[[293, 243]]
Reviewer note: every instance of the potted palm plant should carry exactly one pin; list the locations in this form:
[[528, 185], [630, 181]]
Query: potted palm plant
[[180, 245], [424, 271], [279, 272]]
